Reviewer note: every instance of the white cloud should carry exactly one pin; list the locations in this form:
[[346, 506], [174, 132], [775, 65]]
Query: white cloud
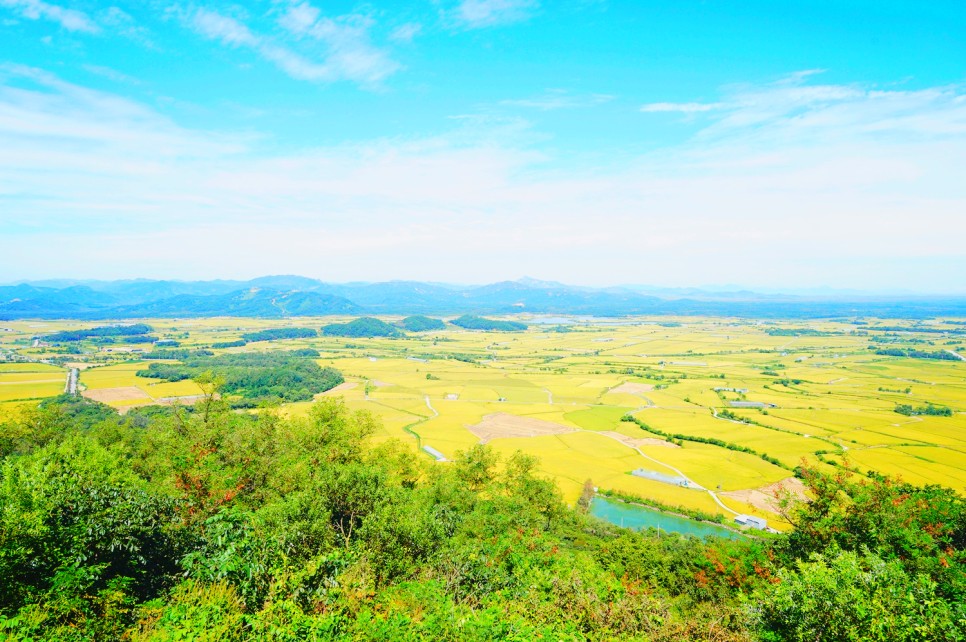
[[227, 30], [349, 49], [348, 53], [844, 186], [406, 32], [558, 99], [682, 108], [111, 74], [475, 14], [70, 19]]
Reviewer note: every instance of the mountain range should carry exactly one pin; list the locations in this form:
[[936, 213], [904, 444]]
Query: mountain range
[[286, 296]]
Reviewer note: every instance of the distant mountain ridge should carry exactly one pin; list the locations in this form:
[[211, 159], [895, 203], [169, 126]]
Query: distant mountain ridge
[[291, 295]]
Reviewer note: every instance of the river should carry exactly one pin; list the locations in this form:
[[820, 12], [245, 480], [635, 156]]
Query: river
[[638, 517]]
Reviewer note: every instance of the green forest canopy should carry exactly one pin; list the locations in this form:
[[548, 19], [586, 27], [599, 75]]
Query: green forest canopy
[[361, 327], [255, 376], [127, 330], [166, 525], [420, 323], [472, 322], [274, 334]]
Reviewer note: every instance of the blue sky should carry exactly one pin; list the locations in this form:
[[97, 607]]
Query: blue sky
[[769, 145]]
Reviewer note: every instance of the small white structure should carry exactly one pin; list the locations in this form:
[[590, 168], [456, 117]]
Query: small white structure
[[752, 522], [438, 456]]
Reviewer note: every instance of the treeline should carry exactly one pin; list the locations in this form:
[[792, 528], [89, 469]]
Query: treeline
[[177, 354], [917, 354], [236, 343], [799, 332], [274, 334], [215, 525], [679, 439], [255, 377], [473, 322], [100, 331], [919, 328], [928, 409]]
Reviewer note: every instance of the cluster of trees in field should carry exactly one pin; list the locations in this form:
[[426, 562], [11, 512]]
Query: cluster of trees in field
[[420, 323], [473, 322], [214, 525], [928, 409], [362, 327], [799, 332], [917, 354], [255, 377], [100, 332], [235, 343], [925, 329], [178, 353], [274, 334]]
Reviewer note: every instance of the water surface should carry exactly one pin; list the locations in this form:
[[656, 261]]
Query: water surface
[[637, 517]]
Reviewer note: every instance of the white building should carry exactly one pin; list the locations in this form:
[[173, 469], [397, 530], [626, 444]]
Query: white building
[[751, 522]]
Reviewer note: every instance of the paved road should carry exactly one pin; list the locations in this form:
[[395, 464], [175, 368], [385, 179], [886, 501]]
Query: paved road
[[71, 387]]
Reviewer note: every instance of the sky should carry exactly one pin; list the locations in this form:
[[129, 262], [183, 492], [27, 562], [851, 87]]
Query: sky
[[594, 142]]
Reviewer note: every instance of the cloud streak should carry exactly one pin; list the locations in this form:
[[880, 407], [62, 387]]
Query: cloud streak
[[347, 51], [477, 14], [69, 19], [680, 108], [558, 99]]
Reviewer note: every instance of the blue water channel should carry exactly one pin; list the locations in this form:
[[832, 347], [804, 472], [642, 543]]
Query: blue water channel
[[639, 517]]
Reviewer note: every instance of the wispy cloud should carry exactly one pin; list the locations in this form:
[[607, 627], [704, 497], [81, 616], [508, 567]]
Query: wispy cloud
[[226, 30], [680, 108], [475, 14], [406, 32], [70, 19], [347, 51], [111, 74], [559, 99]]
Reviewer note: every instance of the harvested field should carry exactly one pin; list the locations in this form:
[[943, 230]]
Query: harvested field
[[767, 497], [501, 425], [125, 393], [638, 442], [342, 387], [629, 388], [183, 400]]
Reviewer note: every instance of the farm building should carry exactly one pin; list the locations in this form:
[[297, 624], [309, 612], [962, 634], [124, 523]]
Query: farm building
[[752, 522], [750, 404]]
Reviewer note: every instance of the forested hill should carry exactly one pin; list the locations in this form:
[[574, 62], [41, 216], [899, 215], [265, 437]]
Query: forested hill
[[167, 524], [287, 296]]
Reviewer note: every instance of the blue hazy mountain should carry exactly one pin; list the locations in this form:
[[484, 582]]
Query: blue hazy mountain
[[289, 295]]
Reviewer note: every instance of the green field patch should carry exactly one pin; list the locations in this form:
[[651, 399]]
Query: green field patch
[[597, 418]]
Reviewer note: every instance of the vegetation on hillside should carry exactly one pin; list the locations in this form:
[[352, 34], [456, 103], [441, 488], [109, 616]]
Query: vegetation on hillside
[[214, 525], [473, 322], [362, 327]]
